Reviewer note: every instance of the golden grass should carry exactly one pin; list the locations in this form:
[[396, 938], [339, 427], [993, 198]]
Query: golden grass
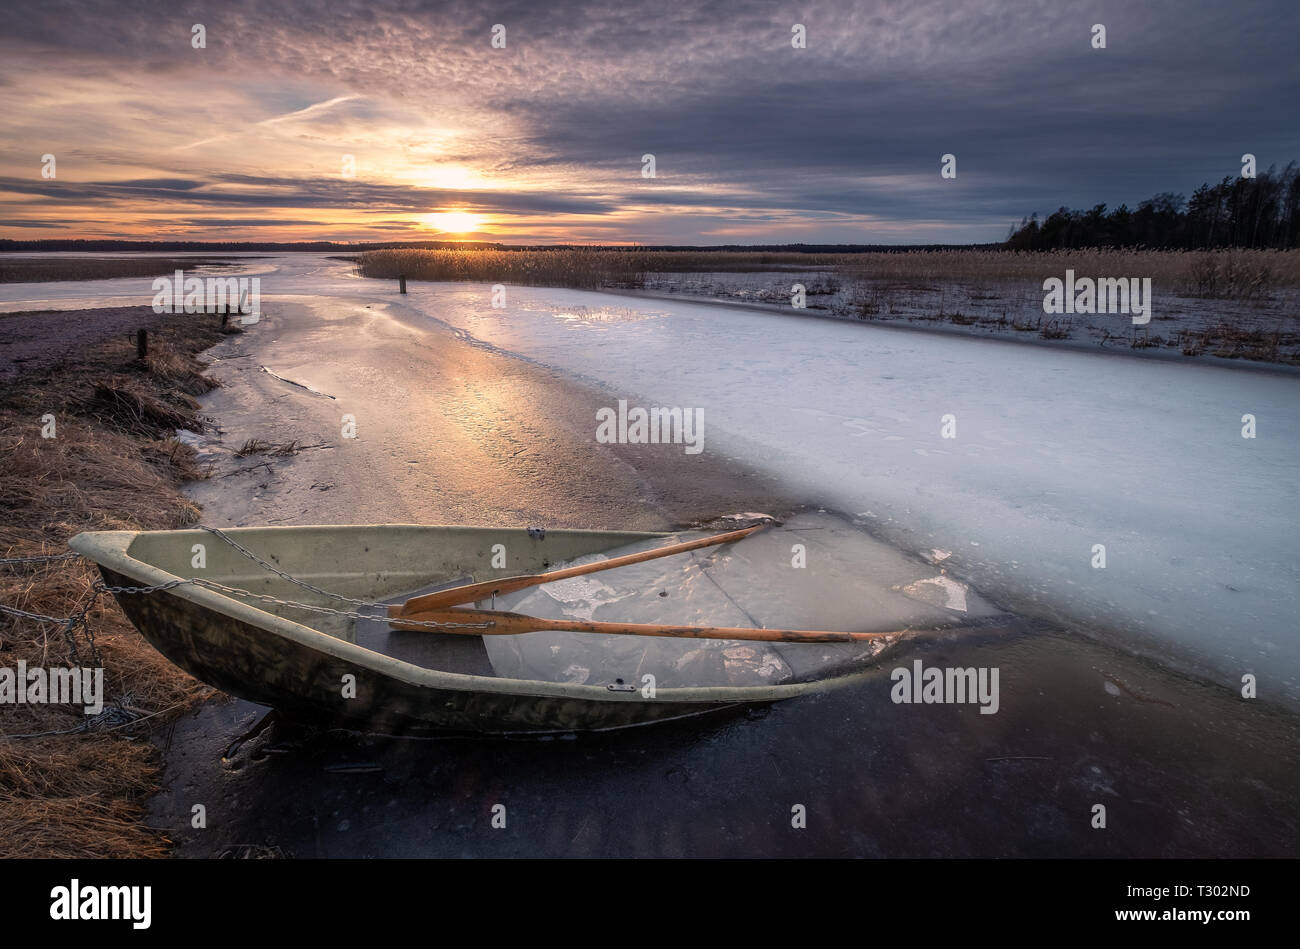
[[1231, 273], [1239, 272], [572, 266], [109, 468]]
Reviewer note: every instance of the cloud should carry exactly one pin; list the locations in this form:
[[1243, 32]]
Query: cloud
[[297, 114], [748, 133]]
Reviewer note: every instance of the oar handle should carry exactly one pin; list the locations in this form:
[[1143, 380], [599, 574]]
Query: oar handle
[[472, 592]]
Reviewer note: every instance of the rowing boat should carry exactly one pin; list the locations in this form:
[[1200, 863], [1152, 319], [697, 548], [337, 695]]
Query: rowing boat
[[296, 618]]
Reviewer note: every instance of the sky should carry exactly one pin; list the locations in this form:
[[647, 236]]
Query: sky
[[543, 141]]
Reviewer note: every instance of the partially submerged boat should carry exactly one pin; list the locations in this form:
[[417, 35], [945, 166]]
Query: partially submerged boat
[[296, 618]]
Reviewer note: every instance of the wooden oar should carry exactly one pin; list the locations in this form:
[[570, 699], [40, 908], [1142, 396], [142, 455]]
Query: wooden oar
[[472, 592], [510, 624]]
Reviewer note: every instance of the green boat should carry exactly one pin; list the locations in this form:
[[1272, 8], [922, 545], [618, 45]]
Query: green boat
[[293, 618]]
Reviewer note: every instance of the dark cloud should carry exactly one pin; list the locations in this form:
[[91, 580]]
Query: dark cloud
[[260, 192], [744, 129]]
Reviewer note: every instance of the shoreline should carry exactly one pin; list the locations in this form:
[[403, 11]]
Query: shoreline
[[972, 331]]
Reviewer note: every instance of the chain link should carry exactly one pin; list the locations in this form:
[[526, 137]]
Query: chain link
[[46, 558], [38, 617], [280, 573], [70, 625], [79, 619]]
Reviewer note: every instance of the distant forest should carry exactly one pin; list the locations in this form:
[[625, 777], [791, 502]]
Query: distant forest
[[1237, 212]]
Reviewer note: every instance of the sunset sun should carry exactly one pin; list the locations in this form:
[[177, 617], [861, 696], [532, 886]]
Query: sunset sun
[[454, 222]]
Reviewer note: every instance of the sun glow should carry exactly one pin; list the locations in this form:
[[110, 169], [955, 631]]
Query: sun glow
[[454, 222]]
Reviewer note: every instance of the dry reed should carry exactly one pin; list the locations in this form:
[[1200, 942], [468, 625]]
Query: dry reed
[[111, 466]]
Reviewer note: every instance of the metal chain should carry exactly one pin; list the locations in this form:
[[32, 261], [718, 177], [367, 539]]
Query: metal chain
[[280, 573], [79, 619], [47, 558], [38, 617], [69, 624]]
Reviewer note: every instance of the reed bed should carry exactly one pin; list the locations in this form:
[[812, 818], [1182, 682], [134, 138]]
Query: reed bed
[[579, 267], [1215, 274], [1212, 273]]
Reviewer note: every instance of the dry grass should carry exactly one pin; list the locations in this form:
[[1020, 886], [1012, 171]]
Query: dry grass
[[112, 466], [574, 266], [44, 268], [1229, 273], [1234, 342], [256, 446], [1185, 271]]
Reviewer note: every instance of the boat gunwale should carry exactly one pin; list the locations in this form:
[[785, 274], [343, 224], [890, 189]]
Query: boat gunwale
[[109, 549]]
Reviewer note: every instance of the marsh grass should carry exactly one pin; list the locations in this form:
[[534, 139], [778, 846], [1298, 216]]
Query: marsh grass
[[111, 466], [1219, 273], [578, 267]]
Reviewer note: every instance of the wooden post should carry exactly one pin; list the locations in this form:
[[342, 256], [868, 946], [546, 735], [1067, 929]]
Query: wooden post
[[401, 282], [141, 344]]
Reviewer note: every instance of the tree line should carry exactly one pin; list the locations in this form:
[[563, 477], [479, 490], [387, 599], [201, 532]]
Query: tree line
[[1263, 211]]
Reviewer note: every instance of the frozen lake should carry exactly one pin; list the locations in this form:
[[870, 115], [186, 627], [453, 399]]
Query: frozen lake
[[1055, 452]]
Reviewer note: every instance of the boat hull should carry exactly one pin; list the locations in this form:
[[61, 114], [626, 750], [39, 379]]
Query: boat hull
[[309, 675], [307, 684]]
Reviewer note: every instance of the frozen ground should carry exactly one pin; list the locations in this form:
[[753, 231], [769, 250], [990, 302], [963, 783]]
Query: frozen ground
[[1056, 450], [1266, 329]]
